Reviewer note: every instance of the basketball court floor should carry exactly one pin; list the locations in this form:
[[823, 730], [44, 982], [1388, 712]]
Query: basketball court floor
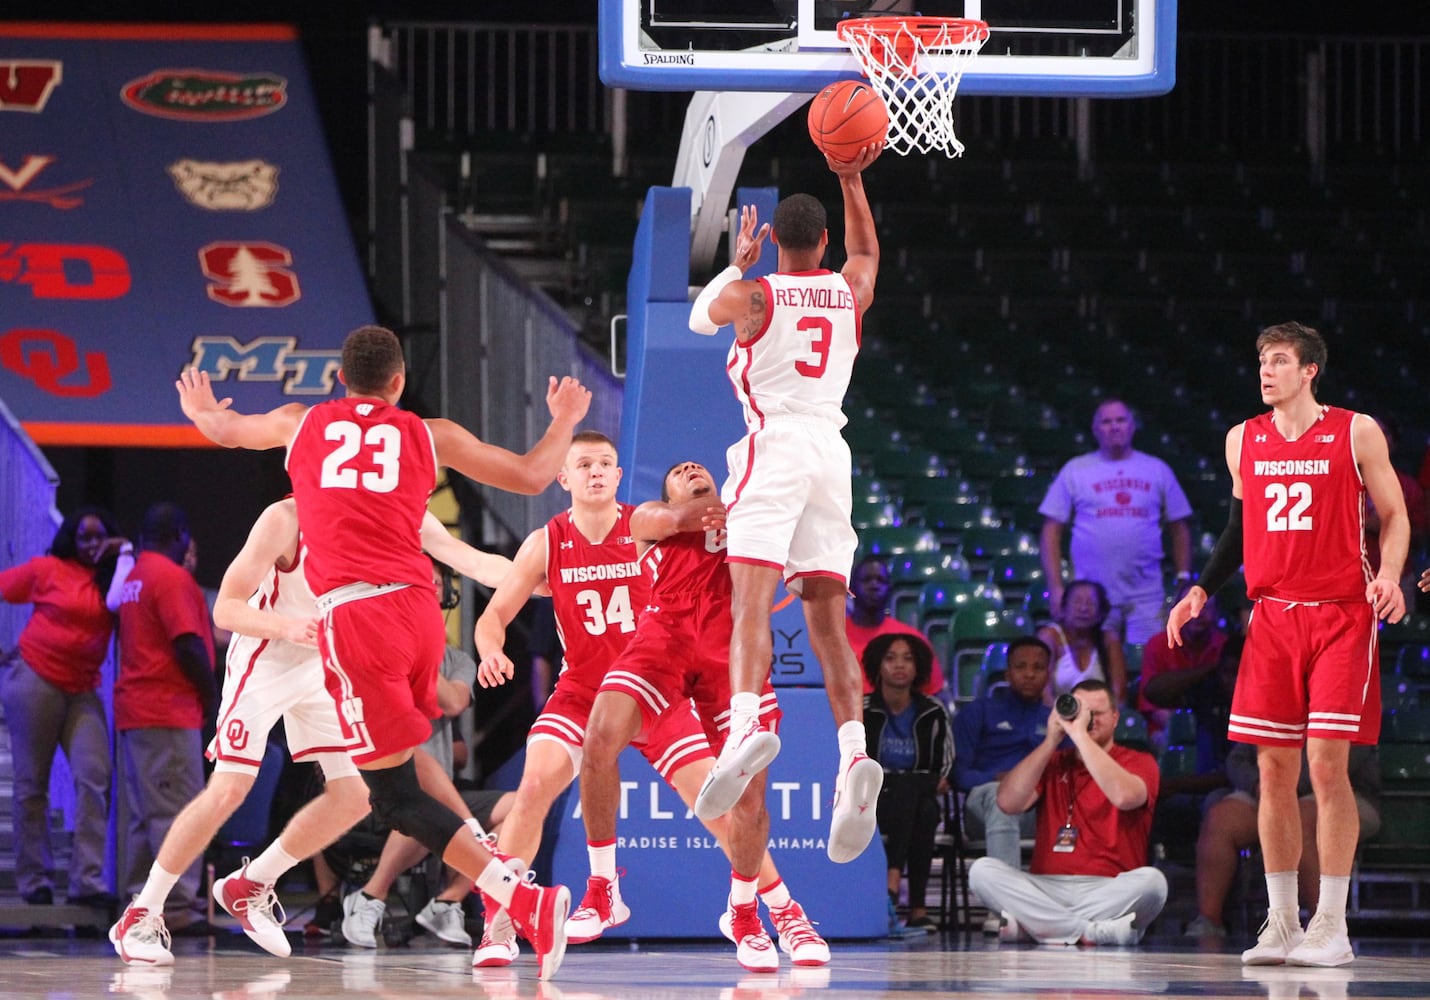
[[229, 968]]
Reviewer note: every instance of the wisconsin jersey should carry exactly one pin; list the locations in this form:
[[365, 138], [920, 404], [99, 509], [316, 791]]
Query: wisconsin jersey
[[362, 472], [597, 590], [1303, 507], [688, 564], [800, 361]]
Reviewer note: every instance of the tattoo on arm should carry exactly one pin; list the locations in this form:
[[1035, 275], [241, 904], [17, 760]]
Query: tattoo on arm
[[755, 318]]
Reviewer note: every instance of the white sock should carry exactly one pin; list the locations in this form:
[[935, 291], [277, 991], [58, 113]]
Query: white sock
[[160, 883], [1281, 890], [852, 740], [742, 889], [776, 896], [498, 882], [1333, 896], [602, 857], [744, 706], [271, 865], [471, 824]]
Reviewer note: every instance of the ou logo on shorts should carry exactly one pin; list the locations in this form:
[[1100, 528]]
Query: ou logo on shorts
[[236, 734]]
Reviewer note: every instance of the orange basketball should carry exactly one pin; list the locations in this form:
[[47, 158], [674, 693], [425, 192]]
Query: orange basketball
[[845, 116]]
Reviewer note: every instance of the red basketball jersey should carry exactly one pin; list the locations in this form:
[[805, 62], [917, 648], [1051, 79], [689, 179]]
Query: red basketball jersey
[[362, 472], [597, 590], [1303, 510], [688, 563]]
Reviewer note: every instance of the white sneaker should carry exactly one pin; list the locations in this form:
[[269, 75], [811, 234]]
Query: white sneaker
[[498, 946], [992, 924], [798, 938], [253, 904], [446, 920], [1008, 929], [140, 938], [1278, 935], [856, 795], [753, 948], [362, 916], [1325, 943], [744, 755], [600, 908], [1116, 931]]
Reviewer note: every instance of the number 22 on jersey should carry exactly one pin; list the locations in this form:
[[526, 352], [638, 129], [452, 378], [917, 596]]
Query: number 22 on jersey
[[1295, 496]]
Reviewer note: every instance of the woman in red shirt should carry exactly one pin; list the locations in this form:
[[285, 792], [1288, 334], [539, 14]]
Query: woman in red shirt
[[48, 688]]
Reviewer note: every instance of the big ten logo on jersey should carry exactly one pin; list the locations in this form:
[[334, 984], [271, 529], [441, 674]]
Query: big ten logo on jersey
[[245, 186], [50, 359], [65, 270], [269, 359], [601, 615], [247, 275], [655, 800], [20, 179], [26, 84]]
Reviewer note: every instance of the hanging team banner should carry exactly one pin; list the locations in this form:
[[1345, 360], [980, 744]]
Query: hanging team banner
[[166, 199]]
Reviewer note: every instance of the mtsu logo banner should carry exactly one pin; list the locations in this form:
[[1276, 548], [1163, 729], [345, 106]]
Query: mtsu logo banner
[[166, 200]]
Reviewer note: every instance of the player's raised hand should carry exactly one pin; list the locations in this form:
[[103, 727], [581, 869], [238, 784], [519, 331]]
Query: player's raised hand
[[568, 400], [196, 395], [1386, 598], [495, 670], [1184, 611], [865, 156], [1424, 583], [750, 241]]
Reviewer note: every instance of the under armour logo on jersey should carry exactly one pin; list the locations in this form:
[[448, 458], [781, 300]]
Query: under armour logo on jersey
[[1261, 437], [364, 409], [568, 545], [652, 608], [1325, 438]]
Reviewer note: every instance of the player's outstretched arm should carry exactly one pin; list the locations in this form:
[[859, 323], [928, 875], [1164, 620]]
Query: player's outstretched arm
[[223, 426], [528, 570], [274, 536], [656, 520], [861, 238], [1373, 455], [487, 568], [528, 474]]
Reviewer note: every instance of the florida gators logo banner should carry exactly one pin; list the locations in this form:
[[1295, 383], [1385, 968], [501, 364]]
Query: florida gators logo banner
[[144, 228]]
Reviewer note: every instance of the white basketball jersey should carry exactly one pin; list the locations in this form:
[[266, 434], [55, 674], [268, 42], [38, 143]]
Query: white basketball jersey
[[287, 593], [800, 362]]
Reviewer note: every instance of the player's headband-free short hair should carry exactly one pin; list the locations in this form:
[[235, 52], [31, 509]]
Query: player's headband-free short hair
[[800, 222], [1307, 342], [371, 356]]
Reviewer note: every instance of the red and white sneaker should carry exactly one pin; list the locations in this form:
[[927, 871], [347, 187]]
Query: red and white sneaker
[[744, 755], [498, 947], [798, 938], [753, 948], [140, 938], [600, 908], [539, 914], [252, 904], [856, 794]]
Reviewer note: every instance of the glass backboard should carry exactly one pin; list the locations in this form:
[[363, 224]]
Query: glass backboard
[[1065, 48]]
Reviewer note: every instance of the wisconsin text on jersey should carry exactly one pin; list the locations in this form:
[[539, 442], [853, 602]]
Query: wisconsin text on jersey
[[1294, 467], [613, 571]]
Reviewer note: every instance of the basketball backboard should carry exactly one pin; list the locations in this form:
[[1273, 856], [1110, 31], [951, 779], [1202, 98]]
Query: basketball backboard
[[1066, 48]]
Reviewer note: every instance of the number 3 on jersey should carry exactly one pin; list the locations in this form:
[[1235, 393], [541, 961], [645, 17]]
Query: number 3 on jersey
[[821, 333], [1298, 496], [383, 442], [617, 611]]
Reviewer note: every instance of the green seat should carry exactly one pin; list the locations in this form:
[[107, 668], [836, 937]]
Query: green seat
[[987, 466], [928, 489], [912, 463], [1132, 731], [1404, 762], [910, 571], [1407, 724], [980, 546], [873, 514], [993, 669], [1178, 761], [1397, 692], [1018, 573], [1182, 728], [941, 600], [1132, 652], [897, 539], [953, 518], [967, 639], [1018, 491]]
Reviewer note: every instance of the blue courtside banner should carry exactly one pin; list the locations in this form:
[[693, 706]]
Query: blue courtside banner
[[166, 199]]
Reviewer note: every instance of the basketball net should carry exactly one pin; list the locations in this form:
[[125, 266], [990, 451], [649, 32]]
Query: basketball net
[[893, 53]]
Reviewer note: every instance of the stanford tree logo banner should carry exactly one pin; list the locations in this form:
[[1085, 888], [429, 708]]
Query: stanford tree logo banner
[[206, 95]]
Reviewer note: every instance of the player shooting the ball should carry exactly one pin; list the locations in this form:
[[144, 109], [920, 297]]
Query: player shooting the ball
[[788, 491]]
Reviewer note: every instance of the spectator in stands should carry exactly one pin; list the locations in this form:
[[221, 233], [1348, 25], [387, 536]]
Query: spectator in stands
[[1117, 499], [165, 694], [1229, 826], [1083, 646], [908, 734], [1196, 675], [990, 736], [1089, 882], [868, 616], [48, 684]]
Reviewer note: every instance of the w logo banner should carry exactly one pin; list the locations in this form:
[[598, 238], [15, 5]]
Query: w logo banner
[[25, 85]]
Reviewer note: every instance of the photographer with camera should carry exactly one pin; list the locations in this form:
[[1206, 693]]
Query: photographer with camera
[[1088, 882]]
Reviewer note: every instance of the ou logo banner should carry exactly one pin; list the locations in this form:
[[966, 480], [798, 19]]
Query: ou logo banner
[[249, 274]]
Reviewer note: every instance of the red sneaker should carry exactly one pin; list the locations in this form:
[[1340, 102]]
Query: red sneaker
[[539, 914]]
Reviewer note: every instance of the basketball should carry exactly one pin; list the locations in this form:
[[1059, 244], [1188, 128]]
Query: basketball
[[845, 116]]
